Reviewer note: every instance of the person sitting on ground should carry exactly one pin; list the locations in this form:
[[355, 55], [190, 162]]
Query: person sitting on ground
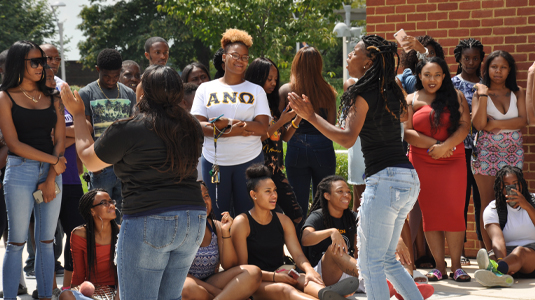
[[204, 280], [510, 223], [130, 74], [93, 246], [196, 73], [259, 236]]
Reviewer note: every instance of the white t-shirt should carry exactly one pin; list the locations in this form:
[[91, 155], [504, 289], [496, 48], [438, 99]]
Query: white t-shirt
[[242, 102], [519, 229]]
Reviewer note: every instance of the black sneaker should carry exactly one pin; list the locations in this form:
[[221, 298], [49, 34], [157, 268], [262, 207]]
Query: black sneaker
[[35, 295], [60, 271], [30, 274], [22, 290]]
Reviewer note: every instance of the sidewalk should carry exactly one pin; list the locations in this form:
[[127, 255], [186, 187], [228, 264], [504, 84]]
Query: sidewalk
[[445, 289]]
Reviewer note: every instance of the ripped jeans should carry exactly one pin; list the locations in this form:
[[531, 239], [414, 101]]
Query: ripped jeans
[[389, 196], [21, 180]]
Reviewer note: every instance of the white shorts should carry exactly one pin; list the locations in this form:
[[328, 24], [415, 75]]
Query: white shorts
[[356, 167], [361, 288]]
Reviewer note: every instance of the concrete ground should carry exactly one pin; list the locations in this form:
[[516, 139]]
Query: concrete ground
[[445, 289]]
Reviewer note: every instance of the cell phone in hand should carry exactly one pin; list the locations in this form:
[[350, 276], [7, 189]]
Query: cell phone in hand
[[509, 192], [38, 195], [214, 120], [293, 273], [399, 36]]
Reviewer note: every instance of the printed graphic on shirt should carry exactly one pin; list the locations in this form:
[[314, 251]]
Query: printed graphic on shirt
[[106, 111], [226, 98]]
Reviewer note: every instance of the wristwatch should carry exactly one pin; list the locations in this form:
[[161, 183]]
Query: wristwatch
[[421, 56]]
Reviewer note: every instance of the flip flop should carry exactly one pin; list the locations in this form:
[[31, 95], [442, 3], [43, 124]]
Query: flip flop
[[464, 261], [435, 275], [460, 273], [343, 287], [419, 277], [331, 295]]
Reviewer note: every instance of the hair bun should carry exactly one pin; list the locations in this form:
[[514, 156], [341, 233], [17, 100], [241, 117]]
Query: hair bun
[[257, 171]]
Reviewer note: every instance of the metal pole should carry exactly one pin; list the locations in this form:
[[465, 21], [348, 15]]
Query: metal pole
[[63, 74], [347, 8]]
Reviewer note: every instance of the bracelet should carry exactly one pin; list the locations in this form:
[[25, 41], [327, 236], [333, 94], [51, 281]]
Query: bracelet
[[56, 162], [273, 276], [438, 142], [294, 126], [268, 134], [227, 237], [483, 95]]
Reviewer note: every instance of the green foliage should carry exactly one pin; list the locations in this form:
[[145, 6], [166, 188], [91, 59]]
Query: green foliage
[[275, 25], [342, 165], [126, 25], [25, 20]]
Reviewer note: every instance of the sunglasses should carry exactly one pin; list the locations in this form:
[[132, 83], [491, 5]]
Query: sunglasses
[[35, 62], [106, 203]]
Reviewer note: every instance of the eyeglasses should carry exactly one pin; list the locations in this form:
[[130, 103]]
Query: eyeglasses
[[236, 56], [106, 203], [56, 58], [35, 62]]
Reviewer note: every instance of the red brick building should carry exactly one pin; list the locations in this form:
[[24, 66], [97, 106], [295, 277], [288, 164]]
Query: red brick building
[[499, 24]]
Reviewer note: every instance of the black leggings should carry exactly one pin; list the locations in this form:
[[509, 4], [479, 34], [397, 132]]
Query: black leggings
[[286, 200], [70, 218], [471, 187]]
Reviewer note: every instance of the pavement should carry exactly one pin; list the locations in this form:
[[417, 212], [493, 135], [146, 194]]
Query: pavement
[[445, 289]]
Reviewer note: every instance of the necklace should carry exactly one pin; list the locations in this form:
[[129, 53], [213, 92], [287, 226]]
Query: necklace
[[29, 96], [118, 93]]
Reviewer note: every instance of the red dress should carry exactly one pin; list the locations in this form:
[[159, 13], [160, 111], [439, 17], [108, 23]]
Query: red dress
[[442, 181]]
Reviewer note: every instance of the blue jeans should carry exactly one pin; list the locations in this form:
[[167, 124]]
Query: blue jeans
[[21, 180], [389, 196], [308, 157], [154, 253], [107, 180], [232, 194]]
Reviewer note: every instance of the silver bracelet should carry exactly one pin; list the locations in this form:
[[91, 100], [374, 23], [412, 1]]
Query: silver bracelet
[[422, 56]]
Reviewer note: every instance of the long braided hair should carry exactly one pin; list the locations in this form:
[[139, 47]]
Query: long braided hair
[[348, 218], [499, 185], [86, 203], [445, 98], [379, 77], [468, 44]]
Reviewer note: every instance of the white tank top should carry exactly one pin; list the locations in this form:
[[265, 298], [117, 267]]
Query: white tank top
[[512, 112]]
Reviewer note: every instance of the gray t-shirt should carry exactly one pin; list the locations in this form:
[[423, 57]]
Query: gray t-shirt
[[105, 111]]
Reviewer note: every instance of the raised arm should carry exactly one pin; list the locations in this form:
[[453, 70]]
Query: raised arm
[[530, 95], [479, 106], [347, 136], [227, 252]]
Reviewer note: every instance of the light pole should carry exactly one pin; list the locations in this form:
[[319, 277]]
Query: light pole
[[54, 6], [344, 31]]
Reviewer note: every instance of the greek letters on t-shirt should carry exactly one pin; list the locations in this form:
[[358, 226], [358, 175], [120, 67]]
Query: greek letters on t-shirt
[[226, 98]]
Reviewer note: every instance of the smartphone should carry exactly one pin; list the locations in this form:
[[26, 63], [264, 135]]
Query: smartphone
[[509, 191], [293, 273], [399, 36], [214, 120], [38, 195]]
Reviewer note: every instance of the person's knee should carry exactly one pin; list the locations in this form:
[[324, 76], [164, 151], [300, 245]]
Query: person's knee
[[15, 244], [253, 271], [47, 242], [66, 295], [188, 292]]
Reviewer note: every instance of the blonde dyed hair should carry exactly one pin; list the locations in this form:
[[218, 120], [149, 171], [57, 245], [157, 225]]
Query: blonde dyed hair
[[232, 36]]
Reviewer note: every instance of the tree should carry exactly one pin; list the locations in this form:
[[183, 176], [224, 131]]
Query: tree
[[25, 20], [275, 25], [126, 25]]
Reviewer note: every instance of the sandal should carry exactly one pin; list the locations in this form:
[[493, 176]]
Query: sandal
[[464, 261], [419, 277], [460, 276], [436, 275]]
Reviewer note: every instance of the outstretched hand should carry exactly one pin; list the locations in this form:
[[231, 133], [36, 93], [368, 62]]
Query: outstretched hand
[[73, 103], [302, 106]]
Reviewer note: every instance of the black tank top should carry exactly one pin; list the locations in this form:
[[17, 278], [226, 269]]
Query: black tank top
[[34, 126], [265, 244]]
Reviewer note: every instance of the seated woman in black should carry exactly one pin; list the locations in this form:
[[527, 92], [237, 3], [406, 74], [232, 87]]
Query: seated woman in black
[[259, 236]]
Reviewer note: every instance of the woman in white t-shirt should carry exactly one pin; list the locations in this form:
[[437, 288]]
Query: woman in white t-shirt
[[510, 223], [231, 143]]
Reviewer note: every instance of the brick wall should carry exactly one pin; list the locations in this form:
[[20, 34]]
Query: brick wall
[[499, 24]]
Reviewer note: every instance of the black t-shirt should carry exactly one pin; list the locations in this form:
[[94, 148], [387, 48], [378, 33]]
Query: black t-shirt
[[137, 155], [315, 220], [381, 135]]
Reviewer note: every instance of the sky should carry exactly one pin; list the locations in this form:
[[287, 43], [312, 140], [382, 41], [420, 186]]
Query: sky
[[69, 16]]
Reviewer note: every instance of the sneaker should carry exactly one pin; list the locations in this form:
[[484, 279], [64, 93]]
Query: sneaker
[[55, 294], [60, 271], [485, 263], [491, 279], [35, 295], [30, 274], [22, 290]]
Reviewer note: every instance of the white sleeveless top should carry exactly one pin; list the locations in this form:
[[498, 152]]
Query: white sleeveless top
[[512, 112]]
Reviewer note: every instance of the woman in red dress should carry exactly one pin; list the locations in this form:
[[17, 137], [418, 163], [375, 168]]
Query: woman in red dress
[[438, 122]]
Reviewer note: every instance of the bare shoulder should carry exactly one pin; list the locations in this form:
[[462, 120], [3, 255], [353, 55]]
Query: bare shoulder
[[241, 220], [285, 220], [80, 231]]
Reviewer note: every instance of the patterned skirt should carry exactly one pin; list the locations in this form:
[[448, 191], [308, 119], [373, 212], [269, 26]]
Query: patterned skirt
[[493, 151]]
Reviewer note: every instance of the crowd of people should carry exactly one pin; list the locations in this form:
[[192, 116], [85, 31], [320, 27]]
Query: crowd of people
[[192, 197]]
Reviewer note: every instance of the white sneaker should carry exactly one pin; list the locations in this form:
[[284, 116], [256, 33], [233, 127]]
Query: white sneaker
[[490, 279]]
